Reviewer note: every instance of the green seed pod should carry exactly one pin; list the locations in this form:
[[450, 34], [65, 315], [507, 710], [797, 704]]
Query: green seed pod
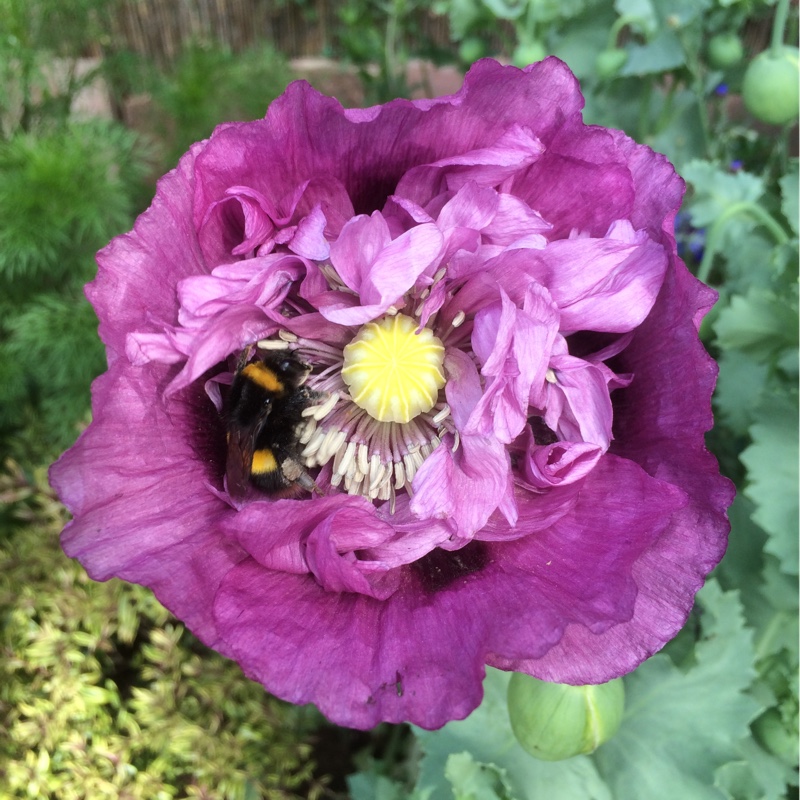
[[724, 50], [609, 62], [553, 721], [471, 49], [528, 53], [770, 86]]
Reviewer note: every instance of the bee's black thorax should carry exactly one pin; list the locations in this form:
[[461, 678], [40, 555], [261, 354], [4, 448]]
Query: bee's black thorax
[[264, 409]]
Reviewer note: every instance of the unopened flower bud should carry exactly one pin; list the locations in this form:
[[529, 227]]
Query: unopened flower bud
[[609, 62], [554, 721], [769, 88]]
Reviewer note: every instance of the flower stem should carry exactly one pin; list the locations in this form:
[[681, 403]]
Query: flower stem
[[530, 22], [779, 27], [619, 24], [715, 232]]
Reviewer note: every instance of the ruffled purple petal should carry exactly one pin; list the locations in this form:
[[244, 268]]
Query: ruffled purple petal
[[513, 344], [134, 515], [578, 404], [478, 471], [378, 268], [559, 463], [361, 661]]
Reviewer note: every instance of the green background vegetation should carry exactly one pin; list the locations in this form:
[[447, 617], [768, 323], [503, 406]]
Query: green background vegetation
[[102, 694]]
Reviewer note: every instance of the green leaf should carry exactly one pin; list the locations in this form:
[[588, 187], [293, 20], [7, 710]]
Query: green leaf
[[740, 387], [663, 52], [715, 190], [741, 566], [372, 786], [680, 727], [681, 139], [758, 324], [487, 736], [463, 15], [772, 473], [472, 780], [757, 776], [680, 13], [580, 42], [643, 10], [751, 257], [789, 201]]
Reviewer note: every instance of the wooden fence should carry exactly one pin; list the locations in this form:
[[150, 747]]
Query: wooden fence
[[159, 28]]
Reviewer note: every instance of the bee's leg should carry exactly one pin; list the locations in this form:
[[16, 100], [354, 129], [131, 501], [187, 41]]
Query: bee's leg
[[244, 357], [294, 472]]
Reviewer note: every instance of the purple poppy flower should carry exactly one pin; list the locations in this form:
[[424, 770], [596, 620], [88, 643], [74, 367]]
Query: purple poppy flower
[[505, 432]]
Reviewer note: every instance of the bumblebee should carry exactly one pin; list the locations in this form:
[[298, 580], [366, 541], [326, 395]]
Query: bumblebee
[[263, 412]]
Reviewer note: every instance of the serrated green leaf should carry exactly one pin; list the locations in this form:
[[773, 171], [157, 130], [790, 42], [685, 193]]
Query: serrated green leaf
[[740, 387], [486, 734], [741, 567], [371, 786], [759, 324], [679, 727], [472, 780], [789, 200], [781, 591], [789, 362], [715, 190], [752, 261], [772, 473], [757, 776]]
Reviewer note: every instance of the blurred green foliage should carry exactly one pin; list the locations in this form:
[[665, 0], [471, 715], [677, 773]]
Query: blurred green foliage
[[208, 85], [64, 192]]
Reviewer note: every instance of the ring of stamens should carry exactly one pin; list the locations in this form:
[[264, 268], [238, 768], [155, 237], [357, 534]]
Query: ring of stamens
[[369, 456]]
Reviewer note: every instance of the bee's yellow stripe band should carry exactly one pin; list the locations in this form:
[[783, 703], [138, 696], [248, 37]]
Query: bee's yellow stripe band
[[263, 376], [263, 462]]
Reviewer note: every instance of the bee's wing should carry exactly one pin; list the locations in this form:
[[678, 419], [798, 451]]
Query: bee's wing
[[241, 446], [241, 443]]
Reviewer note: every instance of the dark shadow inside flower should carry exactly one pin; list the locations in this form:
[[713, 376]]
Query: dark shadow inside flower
[[204, 431], [440, 568]]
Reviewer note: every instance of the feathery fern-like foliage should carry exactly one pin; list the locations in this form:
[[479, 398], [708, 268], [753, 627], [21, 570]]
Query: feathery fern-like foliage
[[63, 194]]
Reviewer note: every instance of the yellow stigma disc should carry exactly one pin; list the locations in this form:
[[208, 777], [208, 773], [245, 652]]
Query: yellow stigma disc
[[393, 373]]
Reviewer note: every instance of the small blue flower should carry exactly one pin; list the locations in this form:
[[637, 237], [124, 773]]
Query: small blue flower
[[690, 240]]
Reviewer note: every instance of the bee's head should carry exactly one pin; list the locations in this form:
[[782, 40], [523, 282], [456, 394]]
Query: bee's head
[[289, 368]]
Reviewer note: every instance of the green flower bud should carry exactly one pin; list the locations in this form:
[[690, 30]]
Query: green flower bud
[[725, 50], [609, 62], [553, 721], [770, 86], [471, 49], [528, 53]]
